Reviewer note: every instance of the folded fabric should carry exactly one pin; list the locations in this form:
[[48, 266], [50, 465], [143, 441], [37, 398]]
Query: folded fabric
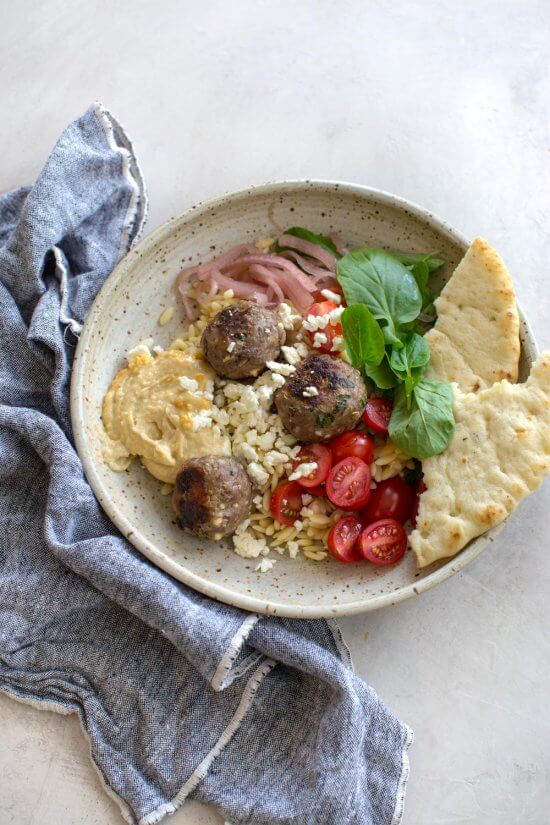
[[179, 695]]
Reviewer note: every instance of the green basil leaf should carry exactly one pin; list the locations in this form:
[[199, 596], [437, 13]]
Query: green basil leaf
[[412, 258], [377, 279], [425, 426], [409, 362], [306, 235], [363, 336], [382, 375]]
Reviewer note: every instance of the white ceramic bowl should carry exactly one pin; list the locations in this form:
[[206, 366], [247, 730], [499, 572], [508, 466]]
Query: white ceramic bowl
[[127, 309]]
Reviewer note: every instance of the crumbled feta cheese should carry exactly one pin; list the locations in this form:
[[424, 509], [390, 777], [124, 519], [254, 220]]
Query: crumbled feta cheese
[[278, 380], [288, 317], [301, 349], [293, 549], [334, 315], [310, 392], [291, 354], [200, 420], [188, 383], [338, 343], [306, 468], [273, 458], [141, 350], [257, 473], [247, 451], [247, 546], [331, 296], [315, 322], [306, 499], [319, 339], [265, 565], [281, 369], [230, 347]]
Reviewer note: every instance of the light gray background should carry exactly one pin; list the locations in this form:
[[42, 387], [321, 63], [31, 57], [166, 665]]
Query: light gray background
[[445, 103]]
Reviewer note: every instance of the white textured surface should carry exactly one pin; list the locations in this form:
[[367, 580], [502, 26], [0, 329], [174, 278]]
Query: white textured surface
[[447, 104]]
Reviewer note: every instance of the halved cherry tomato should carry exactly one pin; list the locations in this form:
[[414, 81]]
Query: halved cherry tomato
[[377, 414], [352, 443], [392, 498], [286, 502], [419, 489], [331, 331], [321, 455], [348, 484], [383, 542], [342, 539], [320, 490]]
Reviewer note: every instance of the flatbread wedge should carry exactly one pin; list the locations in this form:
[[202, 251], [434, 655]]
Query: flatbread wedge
[[500, 453], [475, 340]]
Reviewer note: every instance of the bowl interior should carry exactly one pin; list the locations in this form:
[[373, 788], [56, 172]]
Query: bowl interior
[[127, 309]]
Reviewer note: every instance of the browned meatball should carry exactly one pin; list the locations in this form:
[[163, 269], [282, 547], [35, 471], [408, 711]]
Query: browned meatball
[[323, 398], [212, 496], [240, 339]]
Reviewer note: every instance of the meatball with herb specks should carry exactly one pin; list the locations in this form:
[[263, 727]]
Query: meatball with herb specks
[[323, 398], [212, 496], [240, 339]]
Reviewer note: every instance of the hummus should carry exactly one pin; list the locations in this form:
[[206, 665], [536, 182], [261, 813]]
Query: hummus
[[160, 409]]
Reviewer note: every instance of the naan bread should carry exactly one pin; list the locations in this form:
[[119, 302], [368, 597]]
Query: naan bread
[[475, 340], [500, 454]]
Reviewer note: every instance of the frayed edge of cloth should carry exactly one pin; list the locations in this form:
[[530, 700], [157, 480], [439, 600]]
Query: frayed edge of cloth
[[201, 770], [136, 214], [403, 779], [341, 646], [219, 680], [57, 707]]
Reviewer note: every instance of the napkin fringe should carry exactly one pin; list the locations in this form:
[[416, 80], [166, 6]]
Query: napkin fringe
[[202, 769], [403, 779], [138, 206]]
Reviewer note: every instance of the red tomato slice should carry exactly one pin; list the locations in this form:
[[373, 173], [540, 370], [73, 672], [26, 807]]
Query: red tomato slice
[[286, 502], [392, 498], [342, 539], [383, 542], [320, 490], [321, 455], [352, 443], [378, 413], [330, 331], [419, 489], [348, 484]]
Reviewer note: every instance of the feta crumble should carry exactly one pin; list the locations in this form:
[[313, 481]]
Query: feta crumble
[[306, 468], [319, 339], [264, 565], [281, 369], [230, 347], [331, 296], [291, 354], [310, 392], [188, 383]]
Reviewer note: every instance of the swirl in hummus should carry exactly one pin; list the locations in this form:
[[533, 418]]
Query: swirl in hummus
[[160, 408]]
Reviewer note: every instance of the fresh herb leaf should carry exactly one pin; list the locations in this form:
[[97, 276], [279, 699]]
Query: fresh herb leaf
[[382, 375], [412, 258], [306, 235], [409, 362], [425, 426], [363, 336], [324, 419], [376, 278]]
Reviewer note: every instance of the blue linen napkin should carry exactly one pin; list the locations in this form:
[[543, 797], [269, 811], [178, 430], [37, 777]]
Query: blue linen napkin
[[179, 695]]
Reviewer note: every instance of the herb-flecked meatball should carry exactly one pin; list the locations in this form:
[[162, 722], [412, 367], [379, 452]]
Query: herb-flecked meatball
[[212, 496], [240, 339], [323, 398]]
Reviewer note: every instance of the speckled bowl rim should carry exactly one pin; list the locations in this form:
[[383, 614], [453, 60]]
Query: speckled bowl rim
[[130, 530]]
